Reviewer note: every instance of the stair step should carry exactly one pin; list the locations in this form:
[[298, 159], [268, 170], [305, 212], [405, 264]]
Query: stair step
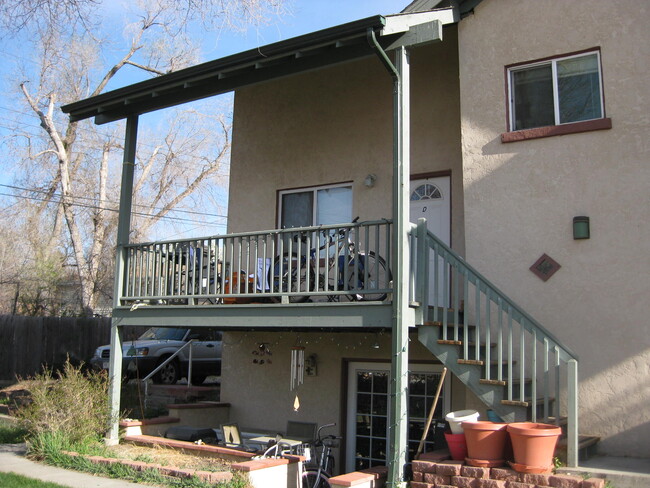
[[438, 323], [450, 342], [586, 447], [493, 382], [584, 441], [526, 403], [480, 362], [515, 382], [475, 362], [515, 403]]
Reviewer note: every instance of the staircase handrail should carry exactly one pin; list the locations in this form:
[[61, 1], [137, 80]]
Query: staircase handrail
[[484, 284]]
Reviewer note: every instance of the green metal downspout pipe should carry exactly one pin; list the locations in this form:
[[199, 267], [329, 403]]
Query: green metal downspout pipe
[[398, 415], [123, 232]]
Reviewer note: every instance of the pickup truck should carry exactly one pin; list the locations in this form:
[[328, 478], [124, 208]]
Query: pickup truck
[[141, 356]]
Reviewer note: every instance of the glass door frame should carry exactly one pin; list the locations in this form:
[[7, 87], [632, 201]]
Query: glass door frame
[[353, 367]]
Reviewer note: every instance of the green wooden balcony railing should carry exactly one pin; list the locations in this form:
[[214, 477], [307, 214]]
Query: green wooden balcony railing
[[322, 263]]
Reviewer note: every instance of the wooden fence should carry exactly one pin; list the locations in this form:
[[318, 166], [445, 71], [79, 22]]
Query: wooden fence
[[29, 343]]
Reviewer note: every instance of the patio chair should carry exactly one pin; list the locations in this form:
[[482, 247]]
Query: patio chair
[[231, 435], [302, 431]]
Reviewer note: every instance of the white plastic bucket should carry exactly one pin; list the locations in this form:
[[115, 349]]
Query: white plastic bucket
[[455, 419]]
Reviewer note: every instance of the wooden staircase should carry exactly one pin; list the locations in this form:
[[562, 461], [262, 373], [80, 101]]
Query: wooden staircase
[[493, 392], [507, 359]]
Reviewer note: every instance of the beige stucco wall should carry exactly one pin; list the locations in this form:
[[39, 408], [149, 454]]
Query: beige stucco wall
[[335, 125], [260, 396], [520, 199], [323, 127]]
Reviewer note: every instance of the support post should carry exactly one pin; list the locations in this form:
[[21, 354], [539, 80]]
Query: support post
[[400, 340], [572, 414], [123, 231]]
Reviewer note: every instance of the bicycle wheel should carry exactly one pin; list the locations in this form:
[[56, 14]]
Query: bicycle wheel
[[315, 479], [290, 275], [378, 277]]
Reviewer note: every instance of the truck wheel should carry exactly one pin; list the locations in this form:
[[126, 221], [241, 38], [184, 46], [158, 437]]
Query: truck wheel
[[169, 374]]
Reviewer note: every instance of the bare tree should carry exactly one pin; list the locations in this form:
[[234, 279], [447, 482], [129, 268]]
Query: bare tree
[[76, 164]]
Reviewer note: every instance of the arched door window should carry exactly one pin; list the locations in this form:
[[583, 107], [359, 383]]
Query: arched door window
[[426, 192]]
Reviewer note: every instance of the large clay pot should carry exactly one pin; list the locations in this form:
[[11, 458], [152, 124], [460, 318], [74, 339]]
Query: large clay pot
[[533, 446], [486, 443]]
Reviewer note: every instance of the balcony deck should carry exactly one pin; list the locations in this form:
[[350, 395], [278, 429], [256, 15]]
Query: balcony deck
[[325, 277]]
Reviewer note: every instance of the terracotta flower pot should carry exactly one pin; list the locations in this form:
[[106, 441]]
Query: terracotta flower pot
[[533, 445], [486, 442]]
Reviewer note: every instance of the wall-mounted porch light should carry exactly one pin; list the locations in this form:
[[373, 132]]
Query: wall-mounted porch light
[[581, 227], [370, 180]]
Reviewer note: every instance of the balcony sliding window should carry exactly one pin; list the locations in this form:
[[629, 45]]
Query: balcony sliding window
[[316, 206], [554, 92]]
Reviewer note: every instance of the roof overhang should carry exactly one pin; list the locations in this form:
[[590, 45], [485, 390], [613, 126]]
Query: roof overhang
[[312, 51]]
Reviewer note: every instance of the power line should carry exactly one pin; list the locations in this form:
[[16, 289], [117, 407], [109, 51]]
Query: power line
[[95, 207], [77, 197]]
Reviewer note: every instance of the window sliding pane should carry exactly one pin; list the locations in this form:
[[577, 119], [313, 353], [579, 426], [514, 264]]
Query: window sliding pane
[[334, 206], [297, 209], [579, 89], [533, 97]]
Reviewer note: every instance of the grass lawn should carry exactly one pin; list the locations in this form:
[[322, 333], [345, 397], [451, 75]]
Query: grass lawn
[[11, 480]]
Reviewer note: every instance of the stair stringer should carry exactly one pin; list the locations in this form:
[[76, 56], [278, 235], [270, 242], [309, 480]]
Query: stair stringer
[[470, 376]]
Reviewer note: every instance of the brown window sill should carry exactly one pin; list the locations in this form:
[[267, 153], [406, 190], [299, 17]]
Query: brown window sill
[[556, 130]]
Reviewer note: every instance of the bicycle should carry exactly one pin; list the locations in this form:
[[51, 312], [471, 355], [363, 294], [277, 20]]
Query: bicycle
[[343, 268], [317, 475]]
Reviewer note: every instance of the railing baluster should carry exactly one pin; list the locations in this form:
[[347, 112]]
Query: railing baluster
[[465, 316], [533, 367], [478, 325], [500, 340], [436, 288], [456, 305], [356, 231], [522, 357], [556, 401], [510, 359], [547, 413], [380, 279], [366, 248], [488, 336], [318, 286]]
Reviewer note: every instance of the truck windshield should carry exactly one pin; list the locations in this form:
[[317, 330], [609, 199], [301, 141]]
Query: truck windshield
[[164, 334]]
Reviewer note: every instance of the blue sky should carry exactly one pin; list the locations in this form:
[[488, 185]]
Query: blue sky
[[305, 16]]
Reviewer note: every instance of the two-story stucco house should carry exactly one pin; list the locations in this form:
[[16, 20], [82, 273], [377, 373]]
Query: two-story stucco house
[[518, 129]]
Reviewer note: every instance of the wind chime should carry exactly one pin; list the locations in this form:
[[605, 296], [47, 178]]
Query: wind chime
[[297, 371]]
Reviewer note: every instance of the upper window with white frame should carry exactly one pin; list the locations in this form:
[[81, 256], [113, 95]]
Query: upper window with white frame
[[323, 205], [559, 91]]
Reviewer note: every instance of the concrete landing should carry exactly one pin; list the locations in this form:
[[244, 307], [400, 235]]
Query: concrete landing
[[622, 472]]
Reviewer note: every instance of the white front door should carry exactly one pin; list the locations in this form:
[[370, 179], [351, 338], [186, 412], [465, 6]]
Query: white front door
[[431, 199], [368, 403]]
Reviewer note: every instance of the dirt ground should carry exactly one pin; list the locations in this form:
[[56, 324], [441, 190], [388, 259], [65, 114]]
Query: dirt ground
[[168, 457]]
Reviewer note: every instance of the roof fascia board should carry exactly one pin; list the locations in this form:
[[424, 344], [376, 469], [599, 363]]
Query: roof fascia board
[[418, 35], [403, 22]]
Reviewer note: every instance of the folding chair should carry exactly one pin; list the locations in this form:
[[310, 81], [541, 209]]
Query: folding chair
[[302, 431], [231, 435]]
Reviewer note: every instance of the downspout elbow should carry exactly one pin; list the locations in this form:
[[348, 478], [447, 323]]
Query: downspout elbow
[[381, 54]]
